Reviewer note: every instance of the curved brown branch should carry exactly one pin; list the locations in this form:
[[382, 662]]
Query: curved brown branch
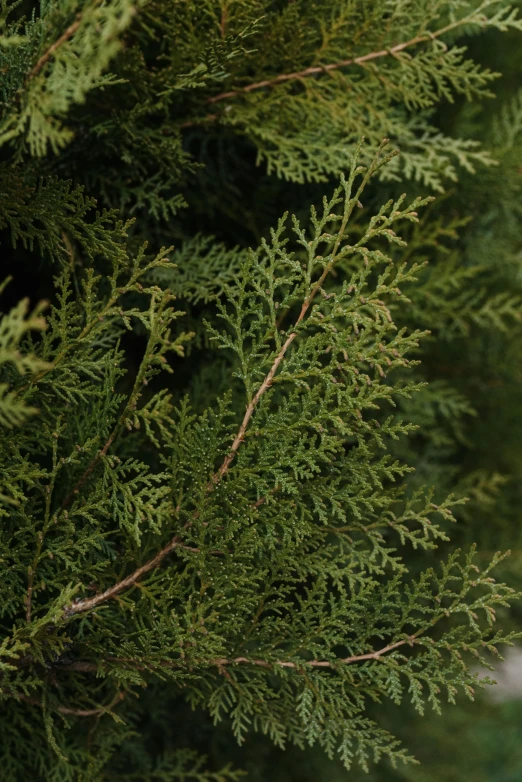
[[265, 385], [267, 382], [190, 123], [262, 500]]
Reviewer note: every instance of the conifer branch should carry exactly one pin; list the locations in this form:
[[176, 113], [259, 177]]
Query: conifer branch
[[267, 382], [81, 666], [315, 70], [129, 581], [313, 607], [133, 284]]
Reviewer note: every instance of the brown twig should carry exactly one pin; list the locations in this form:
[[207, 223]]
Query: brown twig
[[265, 385], [71, 711], [262, 500], [44, 59], [40, 537], [29, 597], [221, 662], [190, 123], [109, 594], [317, 663], [314, 70], [223, 22]]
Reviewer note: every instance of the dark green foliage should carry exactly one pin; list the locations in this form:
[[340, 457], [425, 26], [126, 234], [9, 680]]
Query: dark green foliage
[[230, 468]]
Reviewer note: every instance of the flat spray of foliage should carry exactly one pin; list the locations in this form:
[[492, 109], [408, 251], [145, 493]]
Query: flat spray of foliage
[[245, 541]]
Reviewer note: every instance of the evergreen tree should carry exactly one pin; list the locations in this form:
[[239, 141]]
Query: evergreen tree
[[209, 513]]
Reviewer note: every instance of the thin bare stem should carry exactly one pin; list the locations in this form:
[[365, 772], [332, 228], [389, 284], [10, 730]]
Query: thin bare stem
[[317, 663], [192, 122], [262, 500], [265, 385], [223, 22], [43, 532]]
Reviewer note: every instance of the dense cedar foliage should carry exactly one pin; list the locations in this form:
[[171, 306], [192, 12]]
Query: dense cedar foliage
[[259, 351]]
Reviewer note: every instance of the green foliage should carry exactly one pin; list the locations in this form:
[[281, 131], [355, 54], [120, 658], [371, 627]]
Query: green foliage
[[231, 469], [25, 203], [296, 80], [64, 72], [281, 538]]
